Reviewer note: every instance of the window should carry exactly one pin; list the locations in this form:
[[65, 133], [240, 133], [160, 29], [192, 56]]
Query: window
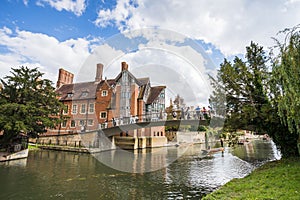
[[70, 94], [91, 108], [65, 110], [84, 94], [103, 115], [125, 95], [90, 122], [74, 109], [81, 123], [73, 124], [83, 109], [104, 93], [64, 123]]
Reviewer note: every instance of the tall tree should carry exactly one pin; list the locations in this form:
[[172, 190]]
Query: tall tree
[[217, 99], [286, 74], [28, 103], [258, 99], [243, 85]]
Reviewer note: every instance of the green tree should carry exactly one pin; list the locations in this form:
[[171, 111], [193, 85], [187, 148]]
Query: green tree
[[243, 85], [28, 104], [217, 99], [286, 87], [261, 100]]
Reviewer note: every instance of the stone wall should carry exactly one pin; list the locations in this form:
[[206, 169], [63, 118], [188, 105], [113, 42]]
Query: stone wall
[[97, 141], [186, 137], [94, 140]]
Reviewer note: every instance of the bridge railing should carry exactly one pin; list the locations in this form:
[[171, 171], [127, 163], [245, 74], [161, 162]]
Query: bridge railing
[[154, 117]]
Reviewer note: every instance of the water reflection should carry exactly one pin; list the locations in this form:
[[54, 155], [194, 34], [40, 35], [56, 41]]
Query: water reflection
[[257, 152], [52, 175], [145, 160]]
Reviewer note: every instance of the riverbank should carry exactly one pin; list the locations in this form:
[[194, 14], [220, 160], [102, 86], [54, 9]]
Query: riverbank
[[60, 148], [274, 180]]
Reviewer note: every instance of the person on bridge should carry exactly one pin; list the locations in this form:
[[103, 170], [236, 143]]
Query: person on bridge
[[182, 113], [198, 112], [188, 113], [114, 122], [131, 120], [117, 121], [174, 114]]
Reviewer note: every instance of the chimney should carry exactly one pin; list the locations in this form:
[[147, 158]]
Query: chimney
[[99, 72], [124, 66], [64, 77]]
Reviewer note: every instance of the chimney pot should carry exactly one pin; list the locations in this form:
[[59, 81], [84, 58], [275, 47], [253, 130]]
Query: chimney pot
[[99, 72], [124, 66]]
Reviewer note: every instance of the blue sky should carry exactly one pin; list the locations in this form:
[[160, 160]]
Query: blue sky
[[51, 34]]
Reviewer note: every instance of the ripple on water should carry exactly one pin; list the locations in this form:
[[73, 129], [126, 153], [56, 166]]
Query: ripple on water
[[212, 173]]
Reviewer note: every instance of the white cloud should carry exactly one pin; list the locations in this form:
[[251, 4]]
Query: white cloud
[[229, 25], [181, 68], [25, 2], [77, 7], [40, 50]]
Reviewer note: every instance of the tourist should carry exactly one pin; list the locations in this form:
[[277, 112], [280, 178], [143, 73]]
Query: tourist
[[131, 120], [117, 121], [198, 112], [113, 122], [182, 113], [174, 114]]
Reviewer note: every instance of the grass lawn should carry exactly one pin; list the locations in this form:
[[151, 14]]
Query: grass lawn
[[274, 180], [33, 147]]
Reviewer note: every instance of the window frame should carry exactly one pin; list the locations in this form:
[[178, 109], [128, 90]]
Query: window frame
[[64, 123], [104, 93], [89, 109], [84, 94], [71, 125], [81, 124], [83, 105], [88, 122], [103, 112], [76, 106]]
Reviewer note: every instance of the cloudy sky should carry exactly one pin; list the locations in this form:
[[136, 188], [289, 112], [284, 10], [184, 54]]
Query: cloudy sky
[[174, 42]]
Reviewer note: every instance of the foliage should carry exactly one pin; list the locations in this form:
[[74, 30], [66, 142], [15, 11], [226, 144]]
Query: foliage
[[28, 103], [217, 100], [254, 96], [274, 180], [198, 128], [171, 128], [286, 73], [239, 91]]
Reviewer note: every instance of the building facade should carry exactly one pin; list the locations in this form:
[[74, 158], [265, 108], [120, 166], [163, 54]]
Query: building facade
[[105, 102]]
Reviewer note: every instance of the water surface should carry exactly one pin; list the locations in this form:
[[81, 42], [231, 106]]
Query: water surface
[[64, 175]]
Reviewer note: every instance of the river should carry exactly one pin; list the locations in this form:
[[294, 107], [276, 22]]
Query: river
[[160, 173]]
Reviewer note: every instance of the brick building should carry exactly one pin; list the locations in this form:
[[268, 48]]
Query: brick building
[[104, 102]]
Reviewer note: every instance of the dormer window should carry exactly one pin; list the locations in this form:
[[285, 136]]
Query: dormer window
[[70, 95], [84, 94]]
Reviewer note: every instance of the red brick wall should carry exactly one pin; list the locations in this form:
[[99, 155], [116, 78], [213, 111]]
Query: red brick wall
[[103, 102]]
